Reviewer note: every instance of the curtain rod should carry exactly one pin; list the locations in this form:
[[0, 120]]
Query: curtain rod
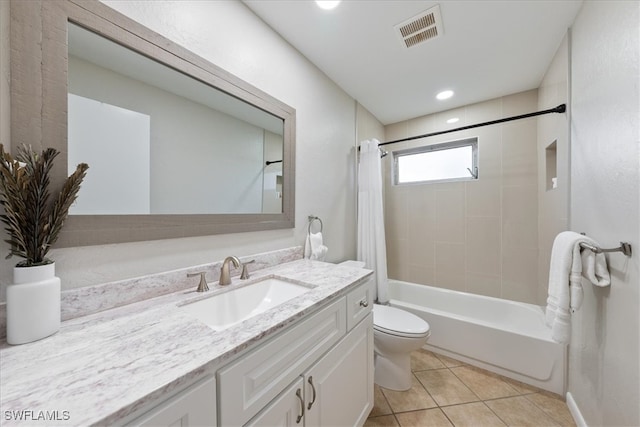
[[559, 109]]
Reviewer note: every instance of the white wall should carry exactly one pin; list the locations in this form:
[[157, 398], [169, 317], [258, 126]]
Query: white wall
[[605, 163], [368, 126], [553, 203], [229, 35]]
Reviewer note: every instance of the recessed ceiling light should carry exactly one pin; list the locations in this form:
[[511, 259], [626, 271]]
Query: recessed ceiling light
[[445, 94], [453, 120], [327, 4]]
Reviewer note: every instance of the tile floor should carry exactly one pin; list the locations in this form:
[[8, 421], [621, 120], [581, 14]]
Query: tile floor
[[447, 392]]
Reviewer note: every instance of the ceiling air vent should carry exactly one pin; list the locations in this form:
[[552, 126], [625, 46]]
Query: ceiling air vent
[[420, 28]]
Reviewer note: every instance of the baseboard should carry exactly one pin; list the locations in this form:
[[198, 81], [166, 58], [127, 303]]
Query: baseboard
[[575, 411]]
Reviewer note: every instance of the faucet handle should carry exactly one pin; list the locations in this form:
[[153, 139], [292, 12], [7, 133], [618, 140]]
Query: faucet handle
[[202, 286], [245, 271]]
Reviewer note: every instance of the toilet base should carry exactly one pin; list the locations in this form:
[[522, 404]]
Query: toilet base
[[393, 371]]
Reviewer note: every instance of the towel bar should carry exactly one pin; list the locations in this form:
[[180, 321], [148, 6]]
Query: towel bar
[[624, 247]]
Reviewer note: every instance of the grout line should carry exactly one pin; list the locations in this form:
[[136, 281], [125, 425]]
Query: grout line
[[447, 417], [465, 384], [494, 376], [494, 413], [425, 389], [386, 400]]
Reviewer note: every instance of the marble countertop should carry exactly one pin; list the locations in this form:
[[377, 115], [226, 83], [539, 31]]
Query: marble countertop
[[100, 368]]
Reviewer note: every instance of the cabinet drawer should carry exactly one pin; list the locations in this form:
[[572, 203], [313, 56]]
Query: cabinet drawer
[[285, 410], [247, 385], [195, 406], [359, 303]]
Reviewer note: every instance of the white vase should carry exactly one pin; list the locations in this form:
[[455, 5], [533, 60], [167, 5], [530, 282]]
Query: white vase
[[33, 304]]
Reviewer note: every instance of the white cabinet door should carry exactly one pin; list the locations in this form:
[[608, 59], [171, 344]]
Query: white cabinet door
[[195, 406], [250, 383], [286, 410], [339, 387]]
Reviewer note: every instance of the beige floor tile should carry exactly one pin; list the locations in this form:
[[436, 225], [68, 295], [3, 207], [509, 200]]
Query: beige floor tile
[[521, 387], [422, 360], [472, 415], [518, 411], [445, 388], [553, 406], [414, 398], [458, 389], [483, 383], [383, 421], [429, 417], [380, 404], [448, 361]]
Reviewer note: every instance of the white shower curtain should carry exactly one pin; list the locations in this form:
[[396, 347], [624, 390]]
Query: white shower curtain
[[371, 242]]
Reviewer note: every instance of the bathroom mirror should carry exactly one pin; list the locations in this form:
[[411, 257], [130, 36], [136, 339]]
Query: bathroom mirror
[[179, 145], [176, 146]]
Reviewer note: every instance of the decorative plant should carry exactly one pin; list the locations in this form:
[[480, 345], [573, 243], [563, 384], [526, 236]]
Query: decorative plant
[[33, 221]]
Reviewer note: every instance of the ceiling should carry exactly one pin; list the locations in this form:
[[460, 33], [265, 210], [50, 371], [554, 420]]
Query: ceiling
[[488, 49]]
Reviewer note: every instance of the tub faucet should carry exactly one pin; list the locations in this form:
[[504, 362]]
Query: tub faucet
[[225, 279]]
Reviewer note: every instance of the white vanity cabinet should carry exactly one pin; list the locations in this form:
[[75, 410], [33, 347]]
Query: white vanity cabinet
[[317, 373], [193, 407], [336, 391], [339, 387], [286, 410]]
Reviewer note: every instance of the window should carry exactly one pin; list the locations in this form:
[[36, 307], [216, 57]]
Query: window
[[450, 161]]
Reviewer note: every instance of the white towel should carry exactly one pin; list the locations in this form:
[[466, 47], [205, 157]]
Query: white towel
[[565, 282], [594, 268], [313, 247]]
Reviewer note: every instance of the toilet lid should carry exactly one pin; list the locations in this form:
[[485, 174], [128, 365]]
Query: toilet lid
[[398, 322]]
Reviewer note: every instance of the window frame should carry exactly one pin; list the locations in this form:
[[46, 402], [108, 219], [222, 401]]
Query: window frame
[[466, 142]]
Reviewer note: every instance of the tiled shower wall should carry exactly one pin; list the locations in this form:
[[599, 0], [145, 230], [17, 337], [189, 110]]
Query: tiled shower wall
[[474, 236]]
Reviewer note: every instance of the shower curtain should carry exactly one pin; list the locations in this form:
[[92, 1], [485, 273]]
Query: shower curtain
[[371, 242]]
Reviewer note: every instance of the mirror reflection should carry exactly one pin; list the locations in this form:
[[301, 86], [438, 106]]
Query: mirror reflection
[[161, 142]]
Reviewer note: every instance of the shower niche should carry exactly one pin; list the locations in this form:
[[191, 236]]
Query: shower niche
[[551, 166]]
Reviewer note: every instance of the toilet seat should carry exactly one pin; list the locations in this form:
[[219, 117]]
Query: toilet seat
[[393, 321]]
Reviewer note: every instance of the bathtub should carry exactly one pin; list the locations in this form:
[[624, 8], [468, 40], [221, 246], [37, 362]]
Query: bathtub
[[505, 337]]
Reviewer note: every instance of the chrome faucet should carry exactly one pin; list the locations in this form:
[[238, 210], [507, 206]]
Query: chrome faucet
[[225, 278]]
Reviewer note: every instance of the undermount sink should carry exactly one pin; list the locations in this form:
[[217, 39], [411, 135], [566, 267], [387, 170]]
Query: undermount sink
[[226, 309]]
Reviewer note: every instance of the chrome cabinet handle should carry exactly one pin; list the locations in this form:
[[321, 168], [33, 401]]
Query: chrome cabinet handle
[[299, 394], [313, 389], [364, 303]]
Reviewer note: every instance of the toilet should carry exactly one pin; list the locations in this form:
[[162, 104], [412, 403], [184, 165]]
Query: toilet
[[396, 333]]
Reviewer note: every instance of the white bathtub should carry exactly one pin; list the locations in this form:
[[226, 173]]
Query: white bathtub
[[505, 337]]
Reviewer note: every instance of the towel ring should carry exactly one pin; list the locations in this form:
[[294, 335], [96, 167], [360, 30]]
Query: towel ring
[[313, 218]]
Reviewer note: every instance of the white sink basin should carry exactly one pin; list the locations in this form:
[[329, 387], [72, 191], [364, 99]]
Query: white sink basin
[[231, 307]]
